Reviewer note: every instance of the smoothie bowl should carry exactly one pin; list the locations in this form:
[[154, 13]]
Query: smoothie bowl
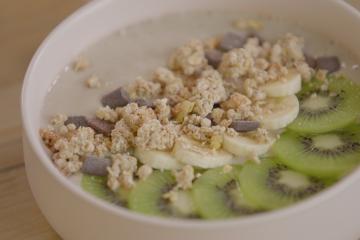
[[197, 120]]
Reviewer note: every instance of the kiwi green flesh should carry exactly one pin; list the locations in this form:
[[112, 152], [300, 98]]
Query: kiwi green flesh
[[147, 197], [271, 186], [217, 195], [324, 111], [329, 155], [96, 186]]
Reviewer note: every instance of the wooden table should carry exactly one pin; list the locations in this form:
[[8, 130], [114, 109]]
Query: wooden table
[[23, 25]]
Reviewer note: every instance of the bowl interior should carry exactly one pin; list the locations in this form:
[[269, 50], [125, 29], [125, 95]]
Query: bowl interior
[[98, 19]]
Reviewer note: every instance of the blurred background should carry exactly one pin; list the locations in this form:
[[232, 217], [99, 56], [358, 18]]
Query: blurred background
[[23, 25]]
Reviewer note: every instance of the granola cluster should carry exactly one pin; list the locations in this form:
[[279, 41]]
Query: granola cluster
[[191, 97]]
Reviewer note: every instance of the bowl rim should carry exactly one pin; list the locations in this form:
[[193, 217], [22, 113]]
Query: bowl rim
[[42, 156]]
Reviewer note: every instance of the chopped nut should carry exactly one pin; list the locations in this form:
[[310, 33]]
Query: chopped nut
[[144, 172], [321, 75], [248, 24], [171, 196], [216, 142], [184, 177], [217, 115], [80, 64], [211, 43], [181, 110], [236, 101], [93, 82], [127, 180], [227, 168]]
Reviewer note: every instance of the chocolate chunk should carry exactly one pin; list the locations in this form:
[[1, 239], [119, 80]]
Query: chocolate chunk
[[244, 126], [95, 166], [330, 63], [117, 98], [233, 40], [144, 102], [100, 126], [310, 60], [78, 121], [214, 57]]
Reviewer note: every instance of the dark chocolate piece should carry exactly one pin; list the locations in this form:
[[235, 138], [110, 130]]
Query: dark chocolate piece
[[214, 57], [233, 40], [78, 121], [117, 98], [311, 61], [100, 126], [331, 63], [244, 126], [96, 166]]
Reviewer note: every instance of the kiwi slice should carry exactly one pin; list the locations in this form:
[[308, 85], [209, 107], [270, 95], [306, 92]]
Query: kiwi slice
[[96, 185], [327, 155], [217, 195], [270, 186], [324, 111], [148, 197]]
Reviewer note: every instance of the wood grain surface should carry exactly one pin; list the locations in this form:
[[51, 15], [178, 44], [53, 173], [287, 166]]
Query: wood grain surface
[[23, 25]]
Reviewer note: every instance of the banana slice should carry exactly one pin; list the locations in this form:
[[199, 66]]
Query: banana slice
[[245, 147], [193, 153], [157, 159], [289, 85], [279, 112]]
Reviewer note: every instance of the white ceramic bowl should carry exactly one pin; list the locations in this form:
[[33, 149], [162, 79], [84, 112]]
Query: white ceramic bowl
[[75, 215]]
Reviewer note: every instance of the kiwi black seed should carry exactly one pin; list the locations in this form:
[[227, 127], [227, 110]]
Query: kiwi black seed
[[327, 110], [327, 155], [270, 185], [96, 185], [148, 197], [217, 195]]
